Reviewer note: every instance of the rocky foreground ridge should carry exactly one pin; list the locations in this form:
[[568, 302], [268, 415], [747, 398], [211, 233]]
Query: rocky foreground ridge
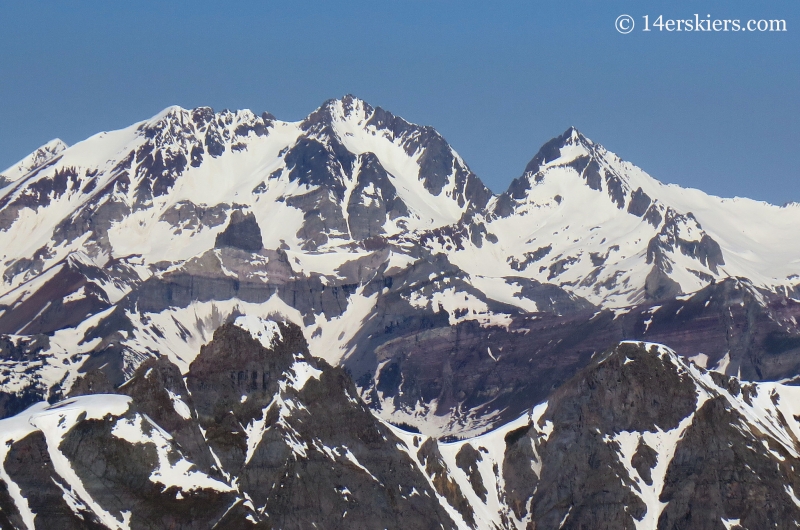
[[259, 434]]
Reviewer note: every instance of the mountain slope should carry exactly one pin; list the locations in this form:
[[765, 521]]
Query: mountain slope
[[262, 435]]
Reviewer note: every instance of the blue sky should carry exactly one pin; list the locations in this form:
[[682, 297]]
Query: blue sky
[[715, 111]]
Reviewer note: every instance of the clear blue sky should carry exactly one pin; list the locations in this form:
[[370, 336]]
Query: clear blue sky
[[715, 111]]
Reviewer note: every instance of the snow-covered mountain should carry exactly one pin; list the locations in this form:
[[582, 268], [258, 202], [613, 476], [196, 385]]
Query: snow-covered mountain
[[224, 317], [373, 235], [163, 189], [582, 218]]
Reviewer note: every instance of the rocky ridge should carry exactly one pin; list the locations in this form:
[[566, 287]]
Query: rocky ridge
[[259, 434]]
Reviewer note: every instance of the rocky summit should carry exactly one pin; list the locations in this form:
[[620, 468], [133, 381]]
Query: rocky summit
[[225, 320]]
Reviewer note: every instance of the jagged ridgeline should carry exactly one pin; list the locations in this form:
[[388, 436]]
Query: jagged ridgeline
[[443, 308]]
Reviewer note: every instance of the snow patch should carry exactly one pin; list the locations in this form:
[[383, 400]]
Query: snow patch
[[77, 295], [180, 406], [264, 331], [730, 524], [722, 364], [302, 373], [701, 359]]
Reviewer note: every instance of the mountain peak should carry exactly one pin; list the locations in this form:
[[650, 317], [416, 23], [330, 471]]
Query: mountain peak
[[552, 150], [342, 109], [172, 110], [572, 133], [36, 159], [56, 145], [573, 136]]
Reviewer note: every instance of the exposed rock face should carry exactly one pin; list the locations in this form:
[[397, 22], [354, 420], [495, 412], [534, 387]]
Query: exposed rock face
[[321, 455], [670, 239], [411, 353], [438, 165], [640, 203], [72, 290], [373, 201], [188, 216], [640, 440], [716, 475], [658, 285], [633, 391], [467, 460], [738, 328], [29, 465], [242, 232]]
